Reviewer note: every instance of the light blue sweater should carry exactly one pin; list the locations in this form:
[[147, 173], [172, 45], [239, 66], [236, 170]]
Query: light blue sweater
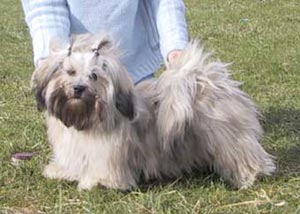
[[147, 30]]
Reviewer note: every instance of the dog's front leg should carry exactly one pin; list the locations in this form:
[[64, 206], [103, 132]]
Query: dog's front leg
[[87, 183], [54, 171]]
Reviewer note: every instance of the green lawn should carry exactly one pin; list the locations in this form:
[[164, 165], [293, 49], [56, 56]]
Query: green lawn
[[260, 37]]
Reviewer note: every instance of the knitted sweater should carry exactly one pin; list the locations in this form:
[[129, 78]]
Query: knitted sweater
[[147, 30]]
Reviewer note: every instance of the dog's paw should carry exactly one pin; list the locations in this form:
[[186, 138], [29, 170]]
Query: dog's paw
[[244, 186], [121, 186], [86, 184], [53, 171], [243, 182]]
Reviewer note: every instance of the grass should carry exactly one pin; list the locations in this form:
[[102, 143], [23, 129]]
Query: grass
[[260, 37]]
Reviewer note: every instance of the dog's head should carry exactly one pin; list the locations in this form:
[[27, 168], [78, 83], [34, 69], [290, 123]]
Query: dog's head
[[84, 84]]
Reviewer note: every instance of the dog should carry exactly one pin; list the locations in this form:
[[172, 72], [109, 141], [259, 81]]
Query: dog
[[105, 130]]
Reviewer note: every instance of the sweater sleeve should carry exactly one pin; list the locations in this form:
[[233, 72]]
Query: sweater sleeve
[[171, 25], [46, 19]]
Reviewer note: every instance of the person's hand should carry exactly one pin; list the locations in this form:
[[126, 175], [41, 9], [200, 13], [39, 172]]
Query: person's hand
[[173, 56]]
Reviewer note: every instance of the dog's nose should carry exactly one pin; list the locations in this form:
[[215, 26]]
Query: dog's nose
[[78, 89]]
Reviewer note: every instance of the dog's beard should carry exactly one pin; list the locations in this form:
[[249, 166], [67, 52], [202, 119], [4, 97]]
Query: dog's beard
[[72, 111]]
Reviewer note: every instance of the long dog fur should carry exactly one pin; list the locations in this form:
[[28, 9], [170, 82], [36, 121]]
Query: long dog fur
[[193, 116]]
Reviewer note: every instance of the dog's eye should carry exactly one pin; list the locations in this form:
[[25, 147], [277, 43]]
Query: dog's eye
[[71, 72], [104, 66], [93, 76]]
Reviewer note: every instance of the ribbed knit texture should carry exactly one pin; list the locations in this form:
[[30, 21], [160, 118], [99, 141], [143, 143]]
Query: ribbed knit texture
[[147, 30]]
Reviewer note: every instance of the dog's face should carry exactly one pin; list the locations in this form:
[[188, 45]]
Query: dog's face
[[85, 85]]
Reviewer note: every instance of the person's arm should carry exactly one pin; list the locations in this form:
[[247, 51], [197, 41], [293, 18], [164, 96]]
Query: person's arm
[[47, 20], [172, 27]]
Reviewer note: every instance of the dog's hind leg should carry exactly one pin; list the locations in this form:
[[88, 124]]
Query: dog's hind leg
[[227, 126]]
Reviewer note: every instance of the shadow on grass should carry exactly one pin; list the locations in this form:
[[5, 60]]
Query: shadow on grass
[[282, 133], [203, 178]]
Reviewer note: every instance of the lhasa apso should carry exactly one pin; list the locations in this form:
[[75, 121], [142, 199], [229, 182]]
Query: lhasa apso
[[105, 130]]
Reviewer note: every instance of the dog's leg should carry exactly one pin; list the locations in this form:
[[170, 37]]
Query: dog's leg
[[227, 126], [112, 172], [87, 183], [115, 180], [54, 171], [114, 184]]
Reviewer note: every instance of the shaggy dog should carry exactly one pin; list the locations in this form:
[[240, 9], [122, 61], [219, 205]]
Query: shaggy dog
[[105, 130]]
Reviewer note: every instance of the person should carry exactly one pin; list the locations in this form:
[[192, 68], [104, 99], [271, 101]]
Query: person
[[149, 31]]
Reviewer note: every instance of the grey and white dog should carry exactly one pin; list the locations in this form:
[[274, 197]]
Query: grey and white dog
[[105, 130]]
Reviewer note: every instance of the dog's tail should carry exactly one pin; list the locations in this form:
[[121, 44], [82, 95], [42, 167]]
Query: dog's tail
[[197, 97], [179, 85]]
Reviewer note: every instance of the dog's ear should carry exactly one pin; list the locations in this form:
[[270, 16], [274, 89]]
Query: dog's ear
[[40, 99], [104, 44], [40, 79], [125, 104]]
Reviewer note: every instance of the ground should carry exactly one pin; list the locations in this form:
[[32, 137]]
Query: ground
[[261, 39]]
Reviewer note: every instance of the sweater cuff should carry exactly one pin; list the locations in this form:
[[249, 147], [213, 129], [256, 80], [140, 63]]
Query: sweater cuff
[[41, 39]]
